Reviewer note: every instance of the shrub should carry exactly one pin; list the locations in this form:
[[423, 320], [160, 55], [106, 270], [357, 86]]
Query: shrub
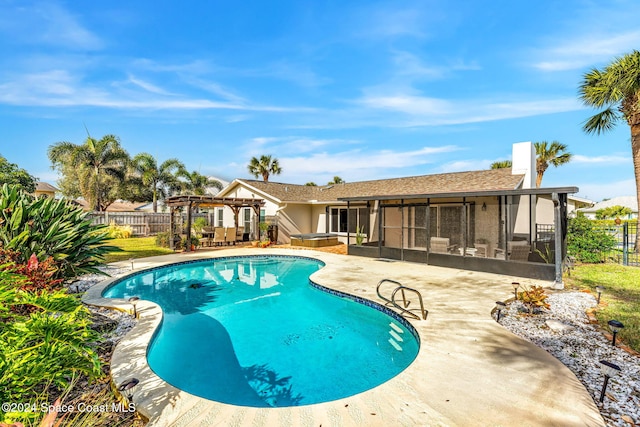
[[199, 223], [117, 231], [51, 228], [162, 239], [38, 275], [46, 348], [585, 242]]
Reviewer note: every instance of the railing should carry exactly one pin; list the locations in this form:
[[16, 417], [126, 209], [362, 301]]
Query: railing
[[405, 302], [625, 251]]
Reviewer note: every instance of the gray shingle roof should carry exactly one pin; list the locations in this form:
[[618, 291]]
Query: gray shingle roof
[[494, 179]]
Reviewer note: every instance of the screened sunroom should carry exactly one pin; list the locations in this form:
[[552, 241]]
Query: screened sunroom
[[520, 232]]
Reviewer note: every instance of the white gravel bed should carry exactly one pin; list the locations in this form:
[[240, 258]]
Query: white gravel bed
[[125, 321], [565, 332]]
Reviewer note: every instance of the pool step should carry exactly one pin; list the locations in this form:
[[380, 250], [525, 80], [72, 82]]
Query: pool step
[[395, 344], [396, 328], [395, 336]]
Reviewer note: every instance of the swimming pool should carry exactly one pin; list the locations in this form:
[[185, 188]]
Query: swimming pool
[[254, 331]]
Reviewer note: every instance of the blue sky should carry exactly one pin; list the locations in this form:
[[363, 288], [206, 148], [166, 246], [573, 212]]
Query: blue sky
[[358, 89]]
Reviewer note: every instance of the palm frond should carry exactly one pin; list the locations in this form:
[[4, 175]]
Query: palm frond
[[604, 121]]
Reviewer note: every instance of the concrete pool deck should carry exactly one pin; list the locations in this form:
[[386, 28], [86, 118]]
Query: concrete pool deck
[[469, 370]]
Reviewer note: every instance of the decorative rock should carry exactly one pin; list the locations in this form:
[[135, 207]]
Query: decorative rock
[[565, 331], [558, 326]]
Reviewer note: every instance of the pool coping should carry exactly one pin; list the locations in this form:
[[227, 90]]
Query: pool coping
[[412, 397]]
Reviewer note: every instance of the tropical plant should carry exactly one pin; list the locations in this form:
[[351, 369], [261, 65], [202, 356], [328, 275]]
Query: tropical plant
[[51, 228], [11, 174], [501, 164], [534, 298], [38, 275], [160, 179], [613, 212], [336, 180], [585, 242], [311, 184], [265, 167], [264, 227], [47, 347], [554, 154], [616, 90], [90, 164], [196, 183], [360, 235]]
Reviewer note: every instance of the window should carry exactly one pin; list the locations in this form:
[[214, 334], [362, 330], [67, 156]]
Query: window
[[343, 220], [247, 219], [219, 217]]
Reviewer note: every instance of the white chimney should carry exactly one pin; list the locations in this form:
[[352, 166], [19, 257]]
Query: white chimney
[[524, 162]]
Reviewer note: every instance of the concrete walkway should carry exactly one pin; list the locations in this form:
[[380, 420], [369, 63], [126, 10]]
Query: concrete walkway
[[469, 370]]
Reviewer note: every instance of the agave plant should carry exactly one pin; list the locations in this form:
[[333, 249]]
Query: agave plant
[[51, 228]]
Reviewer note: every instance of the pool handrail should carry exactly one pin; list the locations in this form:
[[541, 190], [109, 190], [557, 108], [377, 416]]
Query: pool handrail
[[405, 302]]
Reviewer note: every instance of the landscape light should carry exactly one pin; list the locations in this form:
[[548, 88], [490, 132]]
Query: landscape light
[[515, 285], [500, 306], [615, 328], [599, 290], [609, 370], [131, 261], [128, 387], [134, 301]]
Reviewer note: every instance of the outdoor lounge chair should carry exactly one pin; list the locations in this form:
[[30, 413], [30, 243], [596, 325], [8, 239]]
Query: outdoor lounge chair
[[520, 252], [230, 238], [440, 245], [218, 236]]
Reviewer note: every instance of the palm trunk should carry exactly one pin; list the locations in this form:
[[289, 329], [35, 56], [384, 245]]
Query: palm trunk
[[634, 123]]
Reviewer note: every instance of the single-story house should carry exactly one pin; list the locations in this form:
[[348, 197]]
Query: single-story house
[[630, 202], [44, 189], [469, 220]]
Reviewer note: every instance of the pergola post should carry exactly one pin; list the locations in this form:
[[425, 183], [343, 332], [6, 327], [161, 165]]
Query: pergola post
[[172, 245], [188, 244]]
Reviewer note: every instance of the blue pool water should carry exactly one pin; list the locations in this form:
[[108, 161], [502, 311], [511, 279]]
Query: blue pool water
[[253, 331]]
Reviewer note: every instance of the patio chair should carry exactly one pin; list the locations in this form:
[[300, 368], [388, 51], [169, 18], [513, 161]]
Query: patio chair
[[440, 245], [482, 249], [218, 236], [207, 236], [520, 252], [230, 238]]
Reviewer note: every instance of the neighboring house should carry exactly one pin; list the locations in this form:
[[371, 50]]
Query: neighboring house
[[626, 201], [478, 214], [117, 206], [44, 189]]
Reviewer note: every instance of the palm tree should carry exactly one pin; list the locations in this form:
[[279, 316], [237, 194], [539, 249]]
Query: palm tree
[[546, 154], [94, 160], [264, 166], [159, 178], [196, 183], [616, 88], [501, 164], [336, 180]]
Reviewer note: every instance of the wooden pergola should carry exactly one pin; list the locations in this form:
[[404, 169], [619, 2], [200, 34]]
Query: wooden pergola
[[176, 203]]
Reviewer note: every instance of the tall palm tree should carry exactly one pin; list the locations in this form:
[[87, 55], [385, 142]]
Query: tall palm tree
[[616, 88], [196, 183], [265, 166], [501, 164], [159, 178], [549, 154], [94, 160]]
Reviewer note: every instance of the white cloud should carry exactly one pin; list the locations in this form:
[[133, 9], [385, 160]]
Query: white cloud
[[586, 50], [47, 23], [616, 158], [149, 87], [598, 191]]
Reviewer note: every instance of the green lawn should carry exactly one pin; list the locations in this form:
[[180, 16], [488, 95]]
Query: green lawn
[[620, 299], [135, 247]]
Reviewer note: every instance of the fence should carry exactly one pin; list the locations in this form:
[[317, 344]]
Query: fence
[[142, 223], [624, 251]]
